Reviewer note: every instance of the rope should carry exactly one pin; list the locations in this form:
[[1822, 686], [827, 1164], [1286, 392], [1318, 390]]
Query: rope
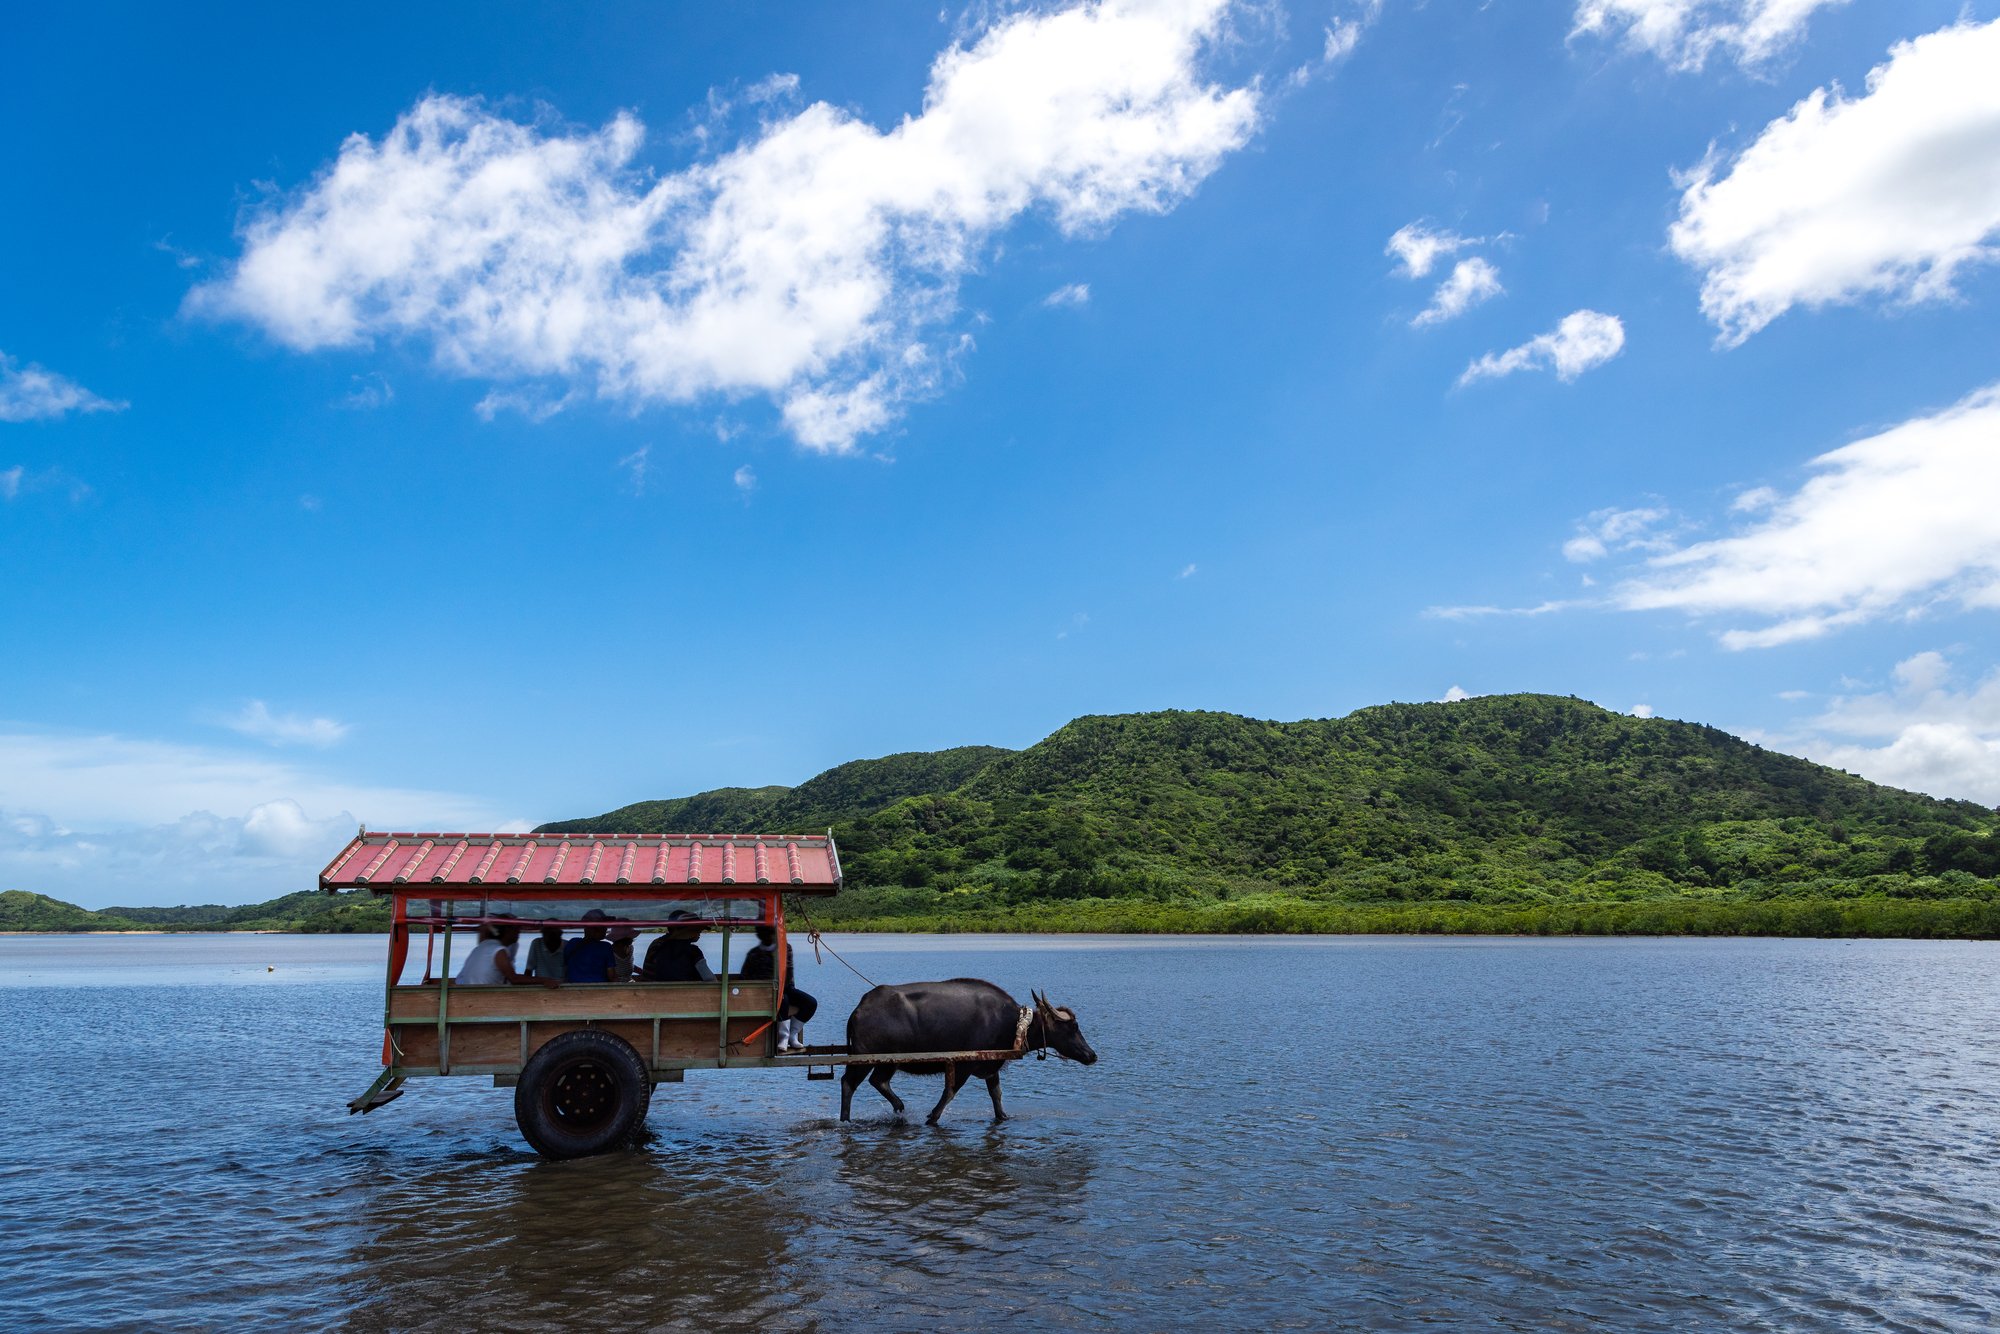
[[813, 936]]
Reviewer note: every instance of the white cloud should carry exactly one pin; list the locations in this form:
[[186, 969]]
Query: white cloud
[[1891, 194], [1684, 33], [29, 393], [10, 482], [1072, 294], [1642, 710], [110, 819], [808, 264], [369, 391], [745, 478], [1609, 530], [1187, 571], [1471, 282], [636, 468], [1919, 734], [1455, 694], [1756, 498], [1344, 33], [256, 720], [1418, 247], [1889, 525], [1471, 613], [1583, 341]]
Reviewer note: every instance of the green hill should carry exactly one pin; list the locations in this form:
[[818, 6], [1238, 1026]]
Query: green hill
[[22, 911], [1503, 810], [1520, 813], [308, 910], [846, 792]]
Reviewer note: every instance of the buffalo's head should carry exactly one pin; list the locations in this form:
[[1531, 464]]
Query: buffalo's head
[[1060, 1031]]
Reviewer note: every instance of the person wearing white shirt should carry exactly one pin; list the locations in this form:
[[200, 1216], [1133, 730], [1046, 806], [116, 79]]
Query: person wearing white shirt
[[491, 963]]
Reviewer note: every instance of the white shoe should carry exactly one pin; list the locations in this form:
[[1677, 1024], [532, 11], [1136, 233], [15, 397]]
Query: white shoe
[[798, 1035]]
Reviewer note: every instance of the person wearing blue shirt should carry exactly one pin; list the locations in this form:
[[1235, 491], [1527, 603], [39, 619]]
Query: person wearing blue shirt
[[590, 959]]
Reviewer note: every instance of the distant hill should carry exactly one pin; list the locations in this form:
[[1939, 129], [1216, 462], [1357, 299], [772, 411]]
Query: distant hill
[[1518, 813], [308, 910], [22, 911], [1509, 800], [846, 792]]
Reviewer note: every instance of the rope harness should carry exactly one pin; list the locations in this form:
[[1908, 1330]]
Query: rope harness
[[814, 938]]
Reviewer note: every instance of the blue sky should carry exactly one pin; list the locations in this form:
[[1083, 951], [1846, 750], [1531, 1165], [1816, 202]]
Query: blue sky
[[476, 417]]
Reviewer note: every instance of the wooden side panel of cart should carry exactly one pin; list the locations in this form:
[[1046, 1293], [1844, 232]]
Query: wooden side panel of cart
[[464, 1030]]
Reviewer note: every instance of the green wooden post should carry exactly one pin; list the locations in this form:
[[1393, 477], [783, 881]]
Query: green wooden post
[[722, 1041], [444, 994]]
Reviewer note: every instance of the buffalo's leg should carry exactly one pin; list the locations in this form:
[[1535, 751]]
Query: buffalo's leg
[[850, 1080], [880, 1079], [952, 1080], [993, 1088]]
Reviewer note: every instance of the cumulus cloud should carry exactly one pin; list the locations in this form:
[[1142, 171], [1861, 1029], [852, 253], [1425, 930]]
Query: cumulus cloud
[[1642, 710], [111, 819], [1891, 194], [10, 482], [1418, 246], [1889, 525], [1921, 733], [1471, 282], [30, 393], [1684, 33], [1583, 341], [256, 720], [1455, 694], [814, 263], [745, 478]]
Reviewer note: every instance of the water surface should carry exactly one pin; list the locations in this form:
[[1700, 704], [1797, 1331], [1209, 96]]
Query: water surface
[[1376, 1133]]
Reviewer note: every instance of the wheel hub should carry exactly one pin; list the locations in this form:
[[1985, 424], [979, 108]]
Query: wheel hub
[[583, 1095]]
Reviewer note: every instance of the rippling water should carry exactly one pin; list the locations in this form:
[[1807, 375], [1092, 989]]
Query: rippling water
[[1375, 1133]]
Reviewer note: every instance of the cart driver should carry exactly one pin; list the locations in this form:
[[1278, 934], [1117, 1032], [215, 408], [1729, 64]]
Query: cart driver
[[675, 957]]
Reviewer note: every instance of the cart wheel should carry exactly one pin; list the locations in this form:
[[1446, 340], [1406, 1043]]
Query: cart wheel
[[582, 1093]]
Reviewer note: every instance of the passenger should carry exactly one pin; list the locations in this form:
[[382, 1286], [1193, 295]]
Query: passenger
[[545, 956], [760, 965], [491, 963], [621, 952], [675, 957], [589, 959]]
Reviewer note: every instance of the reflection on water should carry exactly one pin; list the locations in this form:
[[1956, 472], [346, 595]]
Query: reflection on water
[[1373, 1134]]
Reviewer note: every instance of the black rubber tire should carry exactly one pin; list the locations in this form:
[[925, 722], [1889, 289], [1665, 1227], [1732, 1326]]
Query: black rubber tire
[[582, 1093]]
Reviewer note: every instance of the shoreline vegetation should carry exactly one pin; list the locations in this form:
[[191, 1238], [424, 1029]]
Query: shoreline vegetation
[[1855, 917], [1498, 815]]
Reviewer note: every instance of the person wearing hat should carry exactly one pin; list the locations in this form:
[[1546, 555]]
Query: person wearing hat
[[590, 959], [761, 965], [675, 957]]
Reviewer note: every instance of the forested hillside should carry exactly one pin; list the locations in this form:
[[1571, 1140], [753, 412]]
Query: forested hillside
[[1502, 813], [307, 910], [1518, 802]]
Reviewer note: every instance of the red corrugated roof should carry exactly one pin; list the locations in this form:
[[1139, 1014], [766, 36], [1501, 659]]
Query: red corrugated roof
[[385, 863]]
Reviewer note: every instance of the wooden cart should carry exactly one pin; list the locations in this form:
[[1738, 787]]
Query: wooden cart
[[584, 1059]]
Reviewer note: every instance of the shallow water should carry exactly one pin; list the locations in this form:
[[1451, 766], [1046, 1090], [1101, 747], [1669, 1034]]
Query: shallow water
[[1376, 1133]]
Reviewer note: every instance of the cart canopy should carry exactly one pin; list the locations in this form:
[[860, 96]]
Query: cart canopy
[[399, 863]]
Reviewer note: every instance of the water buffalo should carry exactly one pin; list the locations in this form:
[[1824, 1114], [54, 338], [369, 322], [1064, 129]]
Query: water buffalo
[[964, 1014]]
